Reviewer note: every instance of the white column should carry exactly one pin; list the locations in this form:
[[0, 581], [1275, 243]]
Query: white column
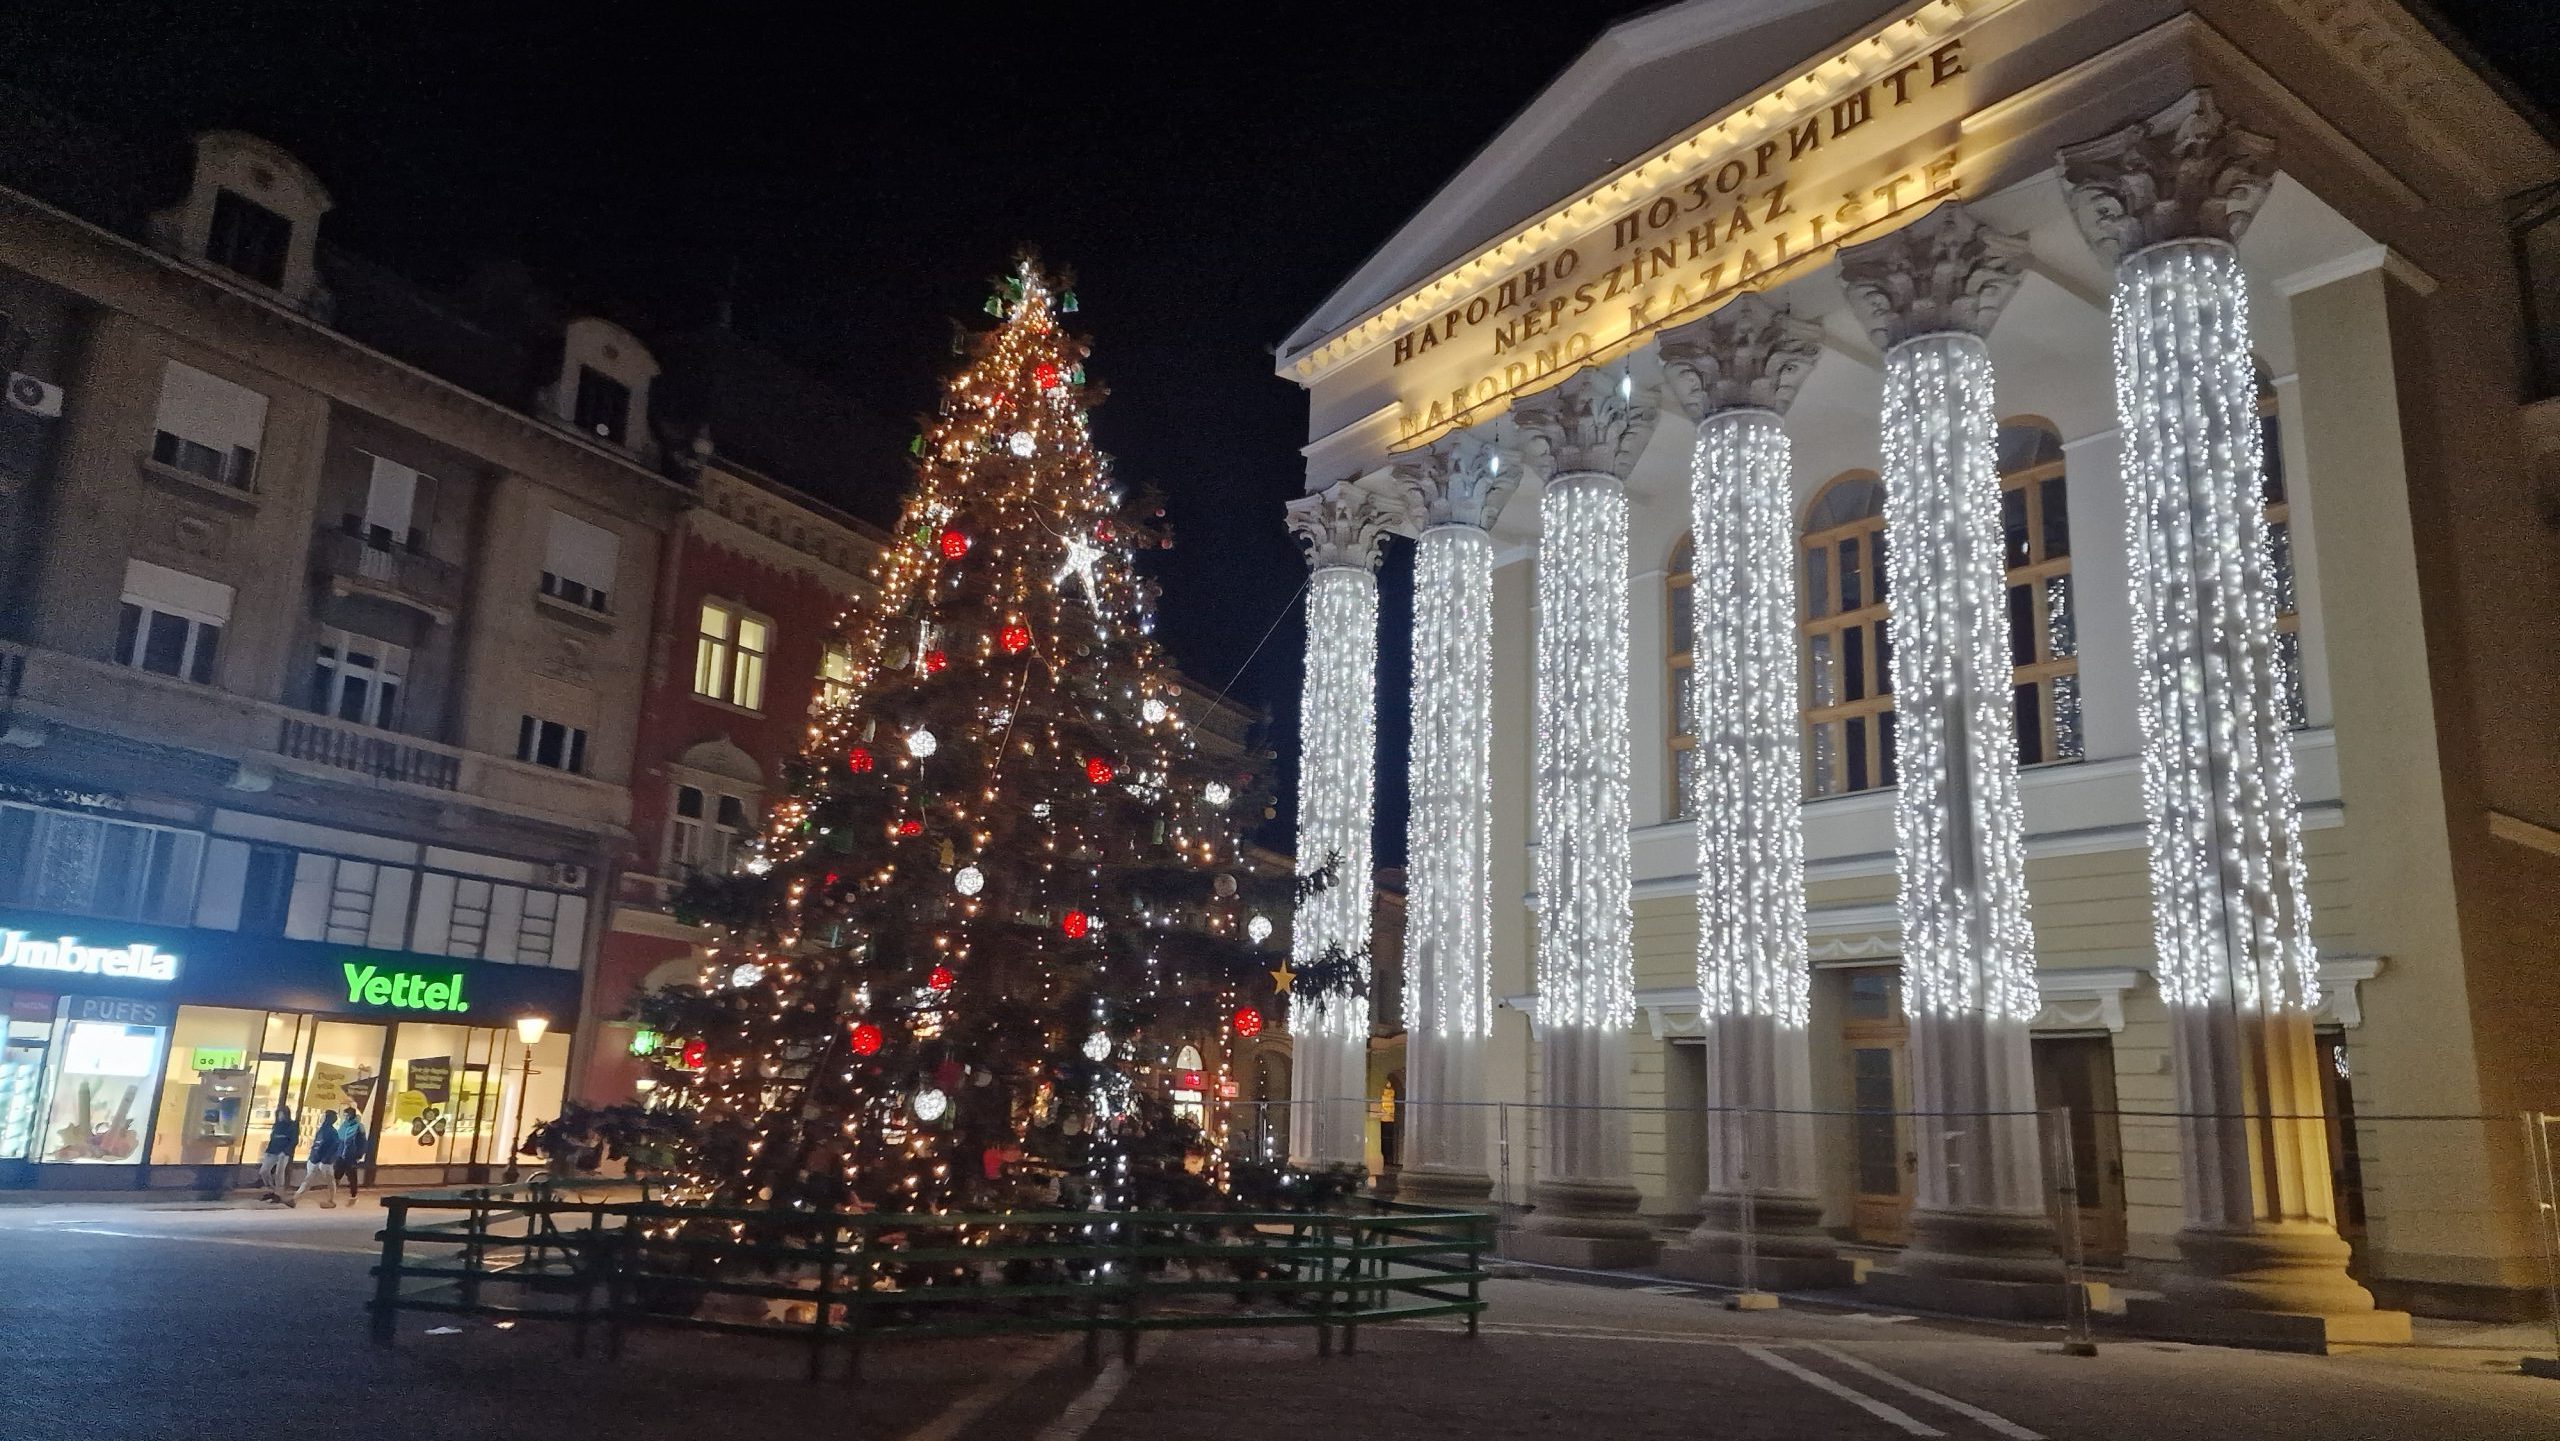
[[1734, 373], [1929, 294], [1341, 529], [1453, 492], [2163, 201], [1582, 438]]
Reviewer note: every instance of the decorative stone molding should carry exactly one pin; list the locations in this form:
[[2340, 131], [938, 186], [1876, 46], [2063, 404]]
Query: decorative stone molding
[[1946, 271], [2186, 173], [1341, 526], [1596, 423], [2084, 999], [1462, 479], [2340, 1003], [1750, 354]]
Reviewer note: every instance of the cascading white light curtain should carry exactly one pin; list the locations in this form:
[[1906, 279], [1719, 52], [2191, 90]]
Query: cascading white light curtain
[[1448, 869], [1586, 915], [1338, 744], [2230, 917], [1751, 908], [1966, 945]]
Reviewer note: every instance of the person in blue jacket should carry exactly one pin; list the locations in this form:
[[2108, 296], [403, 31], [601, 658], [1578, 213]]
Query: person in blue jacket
[[323, 1163]]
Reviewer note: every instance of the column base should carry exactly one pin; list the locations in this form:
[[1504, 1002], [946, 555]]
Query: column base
[[1963, 1243], [2265, 1330], [1443, 1186], [1781, 1225], [2287, 1267], [1583, 1223], [1969, 1296]]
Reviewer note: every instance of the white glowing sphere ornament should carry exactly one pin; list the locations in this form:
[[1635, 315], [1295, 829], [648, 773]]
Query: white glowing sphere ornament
[[1097, 1047], [745, 973], [931, 1105], [969, 880], [1216, 793], [921, 743], [1259, 929], [1153, 710], [1022, 443]]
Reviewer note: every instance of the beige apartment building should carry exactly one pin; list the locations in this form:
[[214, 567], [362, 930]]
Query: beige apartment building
[[323, 620], [1769, 326]]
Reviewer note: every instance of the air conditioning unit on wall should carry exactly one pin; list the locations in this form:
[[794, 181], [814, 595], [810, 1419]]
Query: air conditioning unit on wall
[[35, 397]]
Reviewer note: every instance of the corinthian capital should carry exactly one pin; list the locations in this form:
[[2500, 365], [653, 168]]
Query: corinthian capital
[[1944, 271], [1341, 526], [1752, 352], [2186, 173], [1595, 423], [1463, 479]]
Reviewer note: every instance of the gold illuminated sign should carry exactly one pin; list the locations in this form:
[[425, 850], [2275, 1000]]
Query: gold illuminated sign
[[1831, 173]]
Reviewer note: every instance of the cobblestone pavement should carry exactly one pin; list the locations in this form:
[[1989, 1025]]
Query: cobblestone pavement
[[154, 1322]]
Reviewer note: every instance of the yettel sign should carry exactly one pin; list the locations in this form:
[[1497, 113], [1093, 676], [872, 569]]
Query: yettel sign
[[374, 984]]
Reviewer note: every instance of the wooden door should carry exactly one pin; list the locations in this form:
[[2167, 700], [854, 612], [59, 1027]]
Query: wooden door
[[1881, 1160], [2079, 1072]]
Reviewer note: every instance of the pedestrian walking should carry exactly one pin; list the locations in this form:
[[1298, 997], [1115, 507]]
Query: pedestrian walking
[[275, 1168], [323, 1163], [353, 1147]]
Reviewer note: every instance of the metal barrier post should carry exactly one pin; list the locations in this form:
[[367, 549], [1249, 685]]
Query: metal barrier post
[[1324, 1287], [826, 1285], [386, 1275], [477, 1227], [2062, 1165]]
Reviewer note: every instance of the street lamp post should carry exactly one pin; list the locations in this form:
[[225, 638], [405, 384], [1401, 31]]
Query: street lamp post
[[529, 1030]]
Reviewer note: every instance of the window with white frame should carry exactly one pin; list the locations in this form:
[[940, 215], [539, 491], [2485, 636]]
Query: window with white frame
[[357, 678], [579, 562], [556, 744], [706, 831], [835, 674], [729, 655], [98, 865], [171, 622], [208, 427]]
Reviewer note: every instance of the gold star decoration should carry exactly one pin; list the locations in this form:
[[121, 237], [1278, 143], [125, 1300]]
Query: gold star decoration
[[1282, 979]]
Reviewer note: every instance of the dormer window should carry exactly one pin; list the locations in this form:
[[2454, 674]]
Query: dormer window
[[604, 405], [248, 239]]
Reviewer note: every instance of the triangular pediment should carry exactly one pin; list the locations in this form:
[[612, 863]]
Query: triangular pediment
[[1646, 80]]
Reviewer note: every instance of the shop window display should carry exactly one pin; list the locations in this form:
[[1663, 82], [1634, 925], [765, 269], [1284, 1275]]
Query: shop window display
[[101, 1091], [419, 1125]]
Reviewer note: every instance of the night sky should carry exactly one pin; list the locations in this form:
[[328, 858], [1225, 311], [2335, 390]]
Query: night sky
[[1209, 173]]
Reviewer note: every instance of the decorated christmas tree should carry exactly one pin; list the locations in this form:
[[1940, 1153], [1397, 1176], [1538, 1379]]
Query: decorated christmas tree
[[1005, 883]]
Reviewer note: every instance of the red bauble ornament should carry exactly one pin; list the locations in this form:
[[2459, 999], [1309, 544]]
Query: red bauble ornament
[[859, 761], [1046, 374], [1075, 924], [866, 1039], [939, 980], [934, 661], [1014, 638], [954, 545], [911, 827], [695, 1056], [1248, 1021], [1097, 769]]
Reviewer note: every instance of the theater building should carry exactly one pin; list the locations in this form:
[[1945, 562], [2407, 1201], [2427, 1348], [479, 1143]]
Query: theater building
[[1976, 572]]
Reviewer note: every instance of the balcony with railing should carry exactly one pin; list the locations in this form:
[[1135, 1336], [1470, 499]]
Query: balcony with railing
[[360, 561], [53, 690]]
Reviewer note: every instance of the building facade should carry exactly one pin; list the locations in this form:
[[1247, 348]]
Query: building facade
[[1967, 643], [324, 619]]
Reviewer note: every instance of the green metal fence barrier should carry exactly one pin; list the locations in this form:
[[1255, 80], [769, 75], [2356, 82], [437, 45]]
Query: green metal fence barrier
[[838, 1281]]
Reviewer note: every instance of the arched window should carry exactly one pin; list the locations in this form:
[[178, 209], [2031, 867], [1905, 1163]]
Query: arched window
[[1681, 593], [2035, 526], [2279, 511], [1848, 647]]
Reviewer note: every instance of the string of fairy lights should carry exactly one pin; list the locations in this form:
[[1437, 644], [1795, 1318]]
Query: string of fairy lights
[[1009, 597], [2230, 917]]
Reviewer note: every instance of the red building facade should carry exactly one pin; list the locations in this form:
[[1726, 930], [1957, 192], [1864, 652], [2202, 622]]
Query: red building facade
[[755, 578]]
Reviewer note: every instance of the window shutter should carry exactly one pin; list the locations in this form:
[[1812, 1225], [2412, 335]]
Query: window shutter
[[174, 592], [586, 554], [391, 500], [210, 410]]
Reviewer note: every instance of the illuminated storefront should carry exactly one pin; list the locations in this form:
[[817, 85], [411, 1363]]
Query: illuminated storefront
[[141, 1057]]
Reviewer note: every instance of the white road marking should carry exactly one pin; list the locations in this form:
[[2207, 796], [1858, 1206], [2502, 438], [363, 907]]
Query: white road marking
[[1086, 1409], [1860, 1399], [1604, 1333], [958, 1416], [219, 1240], [2001, 1424]]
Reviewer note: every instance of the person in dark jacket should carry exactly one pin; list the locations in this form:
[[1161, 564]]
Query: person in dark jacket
[[353, 1147], [323, 1163], [275, 1168]]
